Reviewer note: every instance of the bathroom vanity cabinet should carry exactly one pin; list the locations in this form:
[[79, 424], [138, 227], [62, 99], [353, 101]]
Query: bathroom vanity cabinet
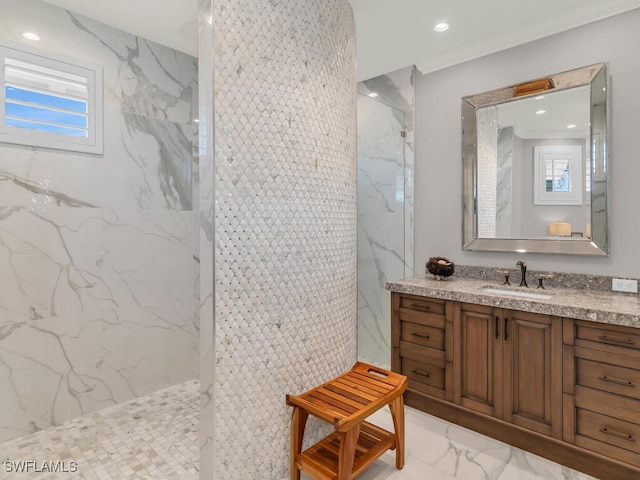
[[422, 344], [565, 389], [508, 364], [602, 389]]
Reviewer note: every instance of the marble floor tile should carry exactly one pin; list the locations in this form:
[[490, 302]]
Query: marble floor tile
[[438, 450], [156, 437], [152, 437]]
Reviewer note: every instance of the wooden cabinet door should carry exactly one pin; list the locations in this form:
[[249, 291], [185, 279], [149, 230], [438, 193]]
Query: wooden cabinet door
[[533, 371], [478, 358]]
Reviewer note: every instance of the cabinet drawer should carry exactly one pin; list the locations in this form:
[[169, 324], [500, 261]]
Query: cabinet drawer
[[422, 304], [422, 335], [609, 431], [423, 377], [613, 338], [608, 378]]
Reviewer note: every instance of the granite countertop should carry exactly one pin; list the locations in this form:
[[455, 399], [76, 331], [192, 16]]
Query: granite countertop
[[597, 306]]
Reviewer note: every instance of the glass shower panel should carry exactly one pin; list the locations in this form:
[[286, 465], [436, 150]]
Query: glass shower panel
[[381, 230]]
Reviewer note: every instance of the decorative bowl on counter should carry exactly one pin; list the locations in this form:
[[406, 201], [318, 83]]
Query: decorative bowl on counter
[[440, 267]]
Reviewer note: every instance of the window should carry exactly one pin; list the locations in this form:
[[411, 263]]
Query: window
[[48, 100], [558, 178]]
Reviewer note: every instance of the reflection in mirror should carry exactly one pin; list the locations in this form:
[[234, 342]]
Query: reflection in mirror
[[535, 167]]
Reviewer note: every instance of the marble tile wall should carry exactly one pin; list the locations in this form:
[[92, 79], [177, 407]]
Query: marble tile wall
[[397, 89], [285, 221], [385, 203], [96, 251], [504, 185], [204, 237]]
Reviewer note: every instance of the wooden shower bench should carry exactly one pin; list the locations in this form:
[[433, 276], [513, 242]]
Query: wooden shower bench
[[346, 401]]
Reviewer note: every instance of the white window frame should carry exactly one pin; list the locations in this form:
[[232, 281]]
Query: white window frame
[[572, 153], [93, 143]]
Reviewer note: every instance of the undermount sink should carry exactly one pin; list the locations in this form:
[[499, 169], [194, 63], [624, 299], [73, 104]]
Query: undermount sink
[[516, 293]]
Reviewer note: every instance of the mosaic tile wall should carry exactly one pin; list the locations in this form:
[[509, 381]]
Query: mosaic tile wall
[[285, 219], [385, 204], [487, 120], [96, 259]]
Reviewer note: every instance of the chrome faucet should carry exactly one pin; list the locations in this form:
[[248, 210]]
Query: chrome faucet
[[523, 271]]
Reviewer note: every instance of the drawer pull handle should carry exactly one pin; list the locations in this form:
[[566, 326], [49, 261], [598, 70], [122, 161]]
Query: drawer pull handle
[[420, 335], [422, 308], [604, 378], [424, 374], [607, 338], [618, 435]]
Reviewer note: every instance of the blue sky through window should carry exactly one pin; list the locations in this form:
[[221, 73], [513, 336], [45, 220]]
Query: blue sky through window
[[13, 122], [24, 95], [49, 100], [34, 110]]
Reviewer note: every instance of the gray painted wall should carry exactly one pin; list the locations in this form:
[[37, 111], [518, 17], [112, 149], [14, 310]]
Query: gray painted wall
[[438, 226]]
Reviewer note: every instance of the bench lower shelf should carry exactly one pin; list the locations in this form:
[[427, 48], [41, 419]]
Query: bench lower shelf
[[321, 460]]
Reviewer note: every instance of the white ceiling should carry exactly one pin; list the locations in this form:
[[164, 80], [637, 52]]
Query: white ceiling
[[394, 34], [390, 34], [558, 110]]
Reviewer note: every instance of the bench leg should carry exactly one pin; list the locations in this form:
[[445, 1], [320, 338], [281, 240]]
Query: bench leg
[[397, 413], [298, 424], [346, 456]]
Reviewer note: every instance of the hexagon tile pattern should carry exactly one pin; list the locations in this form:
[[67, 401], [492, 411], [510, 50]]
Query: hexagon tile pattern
[[285, 245]]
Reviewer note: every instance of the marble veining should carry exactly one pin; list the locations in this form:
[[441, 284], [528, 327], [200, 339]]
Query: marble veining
[[380, 222], [96, 251], [581, 304], [438, 450], [385, 203], [504, 186], [84, 322], [148, 95], [40, 193], [397, 90], [171, 148], [148, 79]]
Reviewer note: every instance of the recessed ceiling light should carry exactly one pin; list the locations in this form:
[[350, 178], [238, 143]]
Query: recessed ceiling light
[[539, 97], [373, 94], [540, 112], [441, 27], [195, 120], [31, 36], [571, 126]]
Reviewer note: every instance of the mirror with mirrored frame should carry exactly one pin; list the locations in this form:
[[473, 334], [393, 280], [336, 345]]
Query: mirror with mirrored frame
[[535, 165]]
